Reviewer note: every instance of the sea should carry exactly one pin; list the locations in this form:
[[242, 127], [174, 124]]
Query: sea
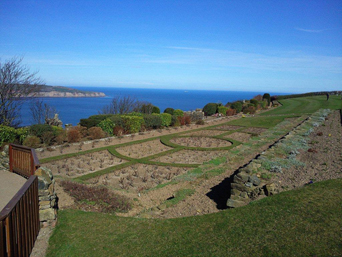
[[71, 110]]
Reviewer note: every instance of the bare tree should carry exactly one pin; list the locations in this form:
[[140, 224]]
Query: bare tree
[[41, 111], [17, 83], [122, 105]]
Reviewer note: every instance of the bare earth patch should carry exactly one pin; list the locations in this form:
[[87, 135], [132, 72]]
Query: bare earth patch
[[138, 177], [204, 133], [238, 136], [255, 130], [144, 149], [203, 142], [83, 164], [228, 127], [190, 157], [322, 162]]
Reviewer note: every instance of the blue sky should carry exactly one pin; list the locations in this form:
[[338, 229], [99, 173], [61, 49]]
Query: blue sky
[[270, 46]]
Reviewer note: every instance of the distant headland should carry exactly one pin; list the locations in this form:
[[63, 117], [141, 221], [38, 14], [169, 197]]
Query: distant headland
[[59, 91]]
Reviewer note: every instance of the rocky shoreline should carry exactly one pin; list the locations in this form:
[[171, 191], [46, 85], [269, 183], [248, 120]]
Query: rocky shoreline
[[70, 94]]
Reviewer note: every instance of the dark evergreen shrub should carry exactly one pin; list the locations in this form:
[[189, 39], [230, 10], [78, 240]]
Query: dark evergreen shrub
[[236, 106], [210, 109], [152, 121], [267, 97], [254, 102], [169, 110], [156, 110], [39, 129]]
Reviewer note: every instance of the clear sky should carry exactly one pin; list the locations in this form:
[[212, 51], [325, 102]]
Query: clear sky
[[256, 45]]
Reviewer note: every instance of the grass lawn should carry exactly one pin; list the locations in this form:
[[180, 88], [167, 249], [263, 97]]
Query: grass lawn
[[303, 105], [261, 122], [304, 222]]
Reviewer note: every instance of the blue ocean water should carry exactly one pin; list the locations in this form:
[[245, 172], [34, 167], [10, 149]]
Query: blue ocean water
[[71, 110]]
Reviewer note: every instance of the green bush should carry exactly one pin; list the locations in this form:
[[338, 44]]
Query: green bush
[[94, 120], [236, 106], [210, 109], [174, 121], [39, 129], [107, 126], [254, 102], [166, 119], [263, 104], [156, 110], [118, 120], [132, 124], [21, 134], [7, 134], [152, 121], [222, 110], [169, 110], [178, 113], [47, 137], [31, 141], [267, 97], [249, 109]]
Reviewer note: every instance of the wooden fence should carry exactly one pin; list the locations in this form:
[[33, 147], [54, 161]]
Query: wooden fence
[[19, 221], [22, 160]]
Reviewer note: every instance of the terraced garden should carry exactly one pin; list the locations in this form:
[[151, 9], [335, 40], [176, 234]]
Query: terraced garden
[[183, 173]]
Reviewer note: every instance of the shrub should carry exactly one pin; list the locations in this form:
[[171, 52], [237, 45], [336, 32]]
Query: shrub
[[267, 97], [107, 126], [249, 109], [156, 110], [152, 121], [73, 135], [184, 120], [7, 134], [166, 119], [169, 110], [105, 200], [47, 137], [237, 106], [254, 102], [222, 110], [31, 141], [230, 112], [132, 124], [118, 131], [61, 138], [178, 112], [96, 133], [94, 120], [258, 98], [174, 121], [210, 109], [200, 122], [118, 120], [263, 104], [146, 108], [39, 129]]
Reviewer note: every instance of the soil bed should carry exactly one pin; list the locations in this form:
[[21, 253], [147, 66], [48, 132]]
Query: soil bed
[[190, 157], [203, 142], [238, 136]]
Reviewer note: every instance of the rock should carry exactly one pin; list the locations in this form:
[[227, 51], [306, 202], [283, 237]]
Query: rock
[[55, 121], [254, 180], [48, 214], [242, 176], [235, 203], [271, 189]]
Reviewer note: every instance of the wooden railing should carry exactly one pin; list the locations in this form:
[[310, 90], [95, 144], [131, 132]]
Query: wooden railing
[[22, 160], [19, 221]]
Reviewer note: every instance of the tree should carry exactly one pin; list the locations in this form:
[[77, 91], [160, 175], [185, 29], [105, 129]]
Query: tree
[[17, 83], [41, 111], [122, 105]]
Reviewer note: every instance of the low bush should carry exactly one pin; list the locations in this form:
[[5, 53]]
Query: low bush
[[174, 121], [254, 102], [178, 113], [169, 110], [94, 120], [61, 138], [12, 135], [200, 122], [249, 109], [39, 129], [230, 112], [103, 199], [210, 109], [73, 135], [166, 119], [47, 137], [152, 121], [184, 120], [267, 97], [96, 133], [222, 110], [31, 141], [156, 110], [236, 106], [132, 124], [107, 126], [118, 131]]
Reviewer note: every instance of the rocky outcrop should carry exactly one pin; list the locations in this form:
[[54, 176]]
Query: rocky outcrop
[[70, 94], [55, 121]]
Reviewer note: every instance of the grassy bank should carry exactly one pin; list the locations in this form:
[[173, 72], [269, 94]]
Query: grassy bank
[[303, 222]]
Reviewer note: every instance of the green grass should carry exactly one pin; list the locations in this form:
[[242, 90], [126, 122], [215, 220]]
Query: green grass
[[305, 105], [260, 122], [304, 222]]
